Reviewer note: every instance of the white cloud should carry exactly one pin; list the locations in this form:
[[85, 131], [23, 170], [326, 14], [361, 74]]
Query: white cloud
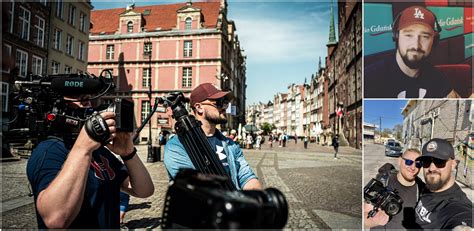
[[292, 37]]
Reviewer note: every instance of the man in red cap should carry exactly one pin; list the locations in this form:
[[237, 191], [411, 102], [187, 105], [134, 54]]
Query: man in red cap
[[408, 73], [209, 106]]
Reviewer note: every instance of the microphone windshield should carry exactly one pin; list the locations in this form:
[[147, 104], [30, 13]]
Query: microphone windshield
[[76, 86]]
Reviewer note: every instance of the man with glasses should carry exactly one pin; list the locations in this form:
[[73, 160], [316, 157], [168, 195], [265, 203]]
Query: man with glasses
[[209, 106], [444, 205], [409, 186]]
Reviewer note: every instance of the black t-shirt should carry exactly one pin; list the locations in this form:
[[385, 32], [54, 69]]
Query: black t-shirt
[[100, 207], [409, 194], [444, 210], [385, 79]]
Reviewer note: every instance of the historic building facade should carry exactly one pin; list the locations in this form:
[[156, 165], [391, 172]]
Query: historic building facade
[[164, 48]]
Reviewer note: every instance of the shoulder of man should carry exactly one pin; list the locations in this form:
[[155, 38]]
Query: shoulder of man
[[456, 213], [374, 76]]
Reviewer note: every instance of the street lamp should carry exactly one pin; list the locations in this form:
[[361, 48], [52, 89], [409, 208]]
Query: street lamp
[[147, 52]]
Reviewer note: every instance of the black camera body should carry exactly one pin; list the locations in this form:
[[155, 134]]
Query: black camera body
[[196, 200], [123, 110], [377, 193]]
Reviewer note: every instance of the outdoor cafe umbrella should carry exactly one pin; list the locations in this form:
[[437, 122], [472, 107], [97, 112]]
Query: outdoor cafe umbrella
[[251, 128]]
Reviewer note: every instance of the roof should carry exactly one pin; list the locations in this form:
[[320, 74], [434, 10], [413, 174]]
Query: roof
[[161, 16]]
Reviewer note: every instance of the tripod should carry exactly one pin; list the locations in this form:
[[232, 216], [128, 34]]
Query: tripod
[[192, 137]]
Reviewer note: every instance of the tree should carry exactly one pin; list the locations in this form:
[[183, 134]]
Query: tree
[[267, 128], [397, 130], [386, 132]]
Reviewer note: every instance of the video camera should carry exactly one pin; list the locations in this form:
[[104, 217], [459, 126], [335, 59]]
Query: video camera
[[377, 193], [40, 109], [195, 200]]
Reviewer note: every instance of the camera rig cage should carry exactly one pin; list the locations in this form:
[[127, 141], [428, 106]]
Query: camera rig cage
[[39, 108]]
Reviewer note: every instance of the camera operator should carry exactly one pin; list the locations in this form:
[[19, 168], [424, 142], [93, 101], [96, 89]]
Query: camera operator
[[76, 180], [409, 186], [444, 205], [209, 105]]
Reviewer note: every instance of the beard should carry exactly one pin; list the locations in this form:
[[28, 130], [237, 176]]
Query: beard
[[415, 62], [433, 183], [215, 119]]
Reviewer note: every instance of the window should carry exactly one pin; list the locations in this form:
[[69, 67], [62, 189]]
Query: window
[[82, 22], [39, 35], [109, 54], [67, 69], [24, 21], [21, 62], [11, 13], [146, 77], [130, 27], [145, 109], [147, 48], [55, 67], [69, 44], [8, 53], [188, 48], [187, 77], [37, 65], [72, 15], [57, 39], [81, 50], [188, 23], [5, 87], [59, 8]]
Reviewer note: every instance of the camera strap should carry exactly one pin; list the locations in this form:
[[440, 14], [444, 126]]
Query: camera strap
[[97, 128]]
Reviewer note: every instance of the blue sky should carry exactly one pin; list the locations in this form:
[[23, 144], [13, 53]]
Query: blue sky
[[283, 40], [389, 110]]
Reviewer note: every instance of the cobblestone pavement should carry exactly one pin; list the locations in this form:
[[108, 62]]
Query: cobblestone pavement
[[322, 192]]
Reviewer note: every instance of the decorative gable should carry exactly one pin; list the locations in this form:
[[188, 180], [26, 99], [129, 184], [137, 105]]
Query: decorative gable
[[130, 22], [189, 17]]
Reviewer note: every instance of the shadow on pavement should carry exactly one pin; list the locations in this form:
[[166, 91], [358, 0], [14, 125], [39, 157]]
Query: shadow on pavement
[[144, 205], [144, 223]]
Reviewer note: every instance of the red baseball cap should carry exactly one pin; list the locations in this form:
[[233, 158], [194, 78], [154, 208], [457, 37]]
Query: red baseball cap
[[417, 15], [206, 91]]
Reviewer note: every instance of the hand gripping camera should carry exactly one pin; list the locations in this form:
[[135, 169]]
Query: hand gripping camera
[[377, 193], [196, 200]]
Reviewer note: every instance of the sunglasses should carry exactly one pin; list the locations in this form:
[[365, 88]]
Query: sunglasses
[[439, 163], [409, 162], [219, 104]]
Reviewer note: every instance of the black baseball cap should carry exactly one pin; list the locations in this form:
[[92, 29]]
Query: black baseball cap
[[437, 148]]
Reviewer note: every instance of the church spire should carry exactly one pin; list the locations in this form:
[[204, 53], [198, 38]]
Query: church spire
[[332, 32]]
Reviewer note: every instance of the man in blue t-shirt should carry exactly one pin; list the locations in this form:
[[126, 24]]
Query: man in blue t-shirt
[[76, 181], [209, 105]]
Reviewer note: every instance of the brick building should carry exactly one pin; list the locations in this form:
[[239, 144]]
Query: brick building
[[171, 47]]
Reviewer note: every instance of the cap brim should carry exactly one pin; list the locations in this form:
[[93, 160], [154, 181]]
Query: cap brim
[[434, 155], [219, 95]]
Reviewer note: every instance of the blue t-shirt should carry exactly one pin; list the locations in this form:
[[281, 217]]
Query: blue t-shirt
[[100, 207], [217, 146]]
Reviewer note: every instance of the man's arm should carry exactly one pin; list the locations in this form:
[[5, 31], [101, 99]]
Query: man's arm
[[139, 183], [380, 219], [253, 184], [60, 202]]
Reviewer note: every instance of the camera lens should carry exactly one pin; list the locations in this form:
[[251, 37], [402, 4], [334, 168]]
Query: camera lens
[[277, 203], [392, 208]]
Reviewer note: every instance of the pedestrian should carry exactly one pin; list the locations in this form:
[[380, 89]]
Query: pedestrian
[[285, 138], [209, 107], [124, 202], [270, 140], [258, 142], [296, 138], [305, 142], [335, 144]]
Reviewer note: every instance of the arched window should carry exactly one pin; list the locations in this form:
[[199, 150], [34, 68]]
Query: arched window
[[188, 23], [130, 27]]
